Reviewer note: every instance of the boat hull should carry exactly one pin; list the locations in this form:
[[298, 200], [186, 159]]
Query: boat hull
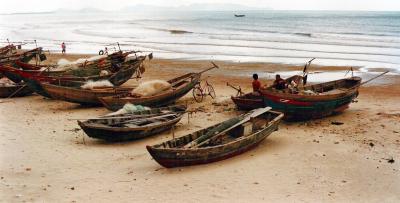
[[77, 95], [23, 90], [120, 136], [177, 157], [115, 103], [248, 103], [296, 110]]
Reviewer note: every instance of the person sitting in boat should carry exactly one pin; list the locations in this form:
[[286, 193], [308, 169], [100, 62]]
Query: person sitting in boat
[[279, 83], [256, 83]]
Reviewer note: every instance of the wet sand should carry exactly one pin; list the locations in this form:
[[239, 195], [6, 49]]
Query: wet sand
[[44, 156]]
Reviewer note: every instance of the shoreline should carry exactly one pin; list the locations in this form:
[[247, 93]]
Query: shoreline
[[265, 70]]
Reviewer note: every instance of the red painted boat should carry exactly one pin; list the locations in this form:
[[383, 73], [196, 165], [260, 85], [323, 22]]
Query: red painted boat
[[35, 78], [308, 102]]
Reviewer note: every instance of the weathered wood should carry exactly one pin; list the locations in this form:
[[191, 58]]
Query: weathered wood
[[172, 153], [253, 114], [153, 122]]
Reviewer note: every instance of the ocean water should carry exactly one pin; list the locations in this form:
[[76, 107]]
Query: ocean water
[[366, 39]]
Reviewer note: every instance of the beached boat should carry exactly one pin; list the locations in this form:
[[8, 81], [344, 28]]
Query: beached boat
[[14, 90], [248, 101], [82, 96], [180, 86], [35, 78], [7, 50], [83, 67], [218, 142], [313, 101], [23, 56], [133, 126]]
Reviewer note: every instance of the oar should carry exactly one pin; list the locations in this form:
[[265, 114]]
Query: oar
[[214, 66], [374, 78], [255, 113]]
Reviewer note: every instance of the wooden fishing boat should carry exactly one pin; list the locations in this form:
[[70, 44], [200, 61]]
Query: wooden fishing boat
[[35, 78], [7, 50], [248, 101], [133, 126], [322, 100], [24, 56], [14, 90], [180, 86], [82, 96], [218, 142]]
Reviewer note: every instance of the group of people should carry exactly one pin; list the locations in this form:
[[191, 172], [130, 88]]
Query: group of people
[[278, 84]]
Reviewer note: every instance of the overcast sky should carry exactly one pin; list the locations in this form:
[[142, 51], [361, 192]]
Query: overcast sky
[[13, 6]]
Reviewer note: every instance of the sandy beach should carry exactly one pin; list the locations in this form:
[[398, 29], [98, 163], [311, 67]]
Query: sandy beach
[[46, 157]]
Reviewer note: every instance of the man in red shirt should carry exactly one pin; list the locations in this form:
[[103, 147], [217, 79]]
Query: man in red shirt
[[63, 47], [256, 84]]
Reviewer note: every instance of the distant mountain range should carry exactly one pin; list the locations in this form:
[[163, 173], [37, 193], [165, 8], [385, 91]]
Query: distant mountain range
[[190, 7], [146, 7], [194, 7]]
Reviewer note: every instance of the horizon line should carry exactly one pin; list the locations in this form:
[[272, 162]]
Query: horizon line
[[177, 9]]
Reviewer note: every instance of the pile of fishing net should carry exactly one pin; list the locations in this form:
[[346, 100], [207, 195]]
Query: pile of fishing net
[[129, 108], [64, 64], [96, 84], [151, 88], [5, 82], [308, 92]]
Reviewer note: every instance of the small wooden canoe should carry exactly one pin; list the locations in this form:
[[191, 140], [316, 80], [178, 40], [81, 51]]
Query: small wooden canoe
[[180, 86], [248, 101], [82, 96], [229, 138], [15, 90], [133, 126]]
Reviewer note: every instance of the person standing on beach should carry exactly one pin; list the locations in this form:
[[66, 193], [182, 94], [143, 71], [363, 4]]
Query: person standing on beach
[[63, 47], [256, 84]]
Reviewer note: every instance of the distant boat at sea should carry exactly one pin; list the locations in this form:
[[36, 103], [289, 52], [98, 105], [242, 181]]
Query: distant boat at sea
[[239, 15]]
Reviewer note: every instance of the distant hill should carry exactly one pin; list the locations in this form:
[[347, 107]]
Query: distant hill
[[194, 7], [82, 10], [146, 7]]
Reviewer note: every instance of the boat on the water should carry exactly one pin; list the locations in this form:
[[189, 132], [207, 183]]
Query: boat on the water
[[133, 126], [218, 142], [239, 15]]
